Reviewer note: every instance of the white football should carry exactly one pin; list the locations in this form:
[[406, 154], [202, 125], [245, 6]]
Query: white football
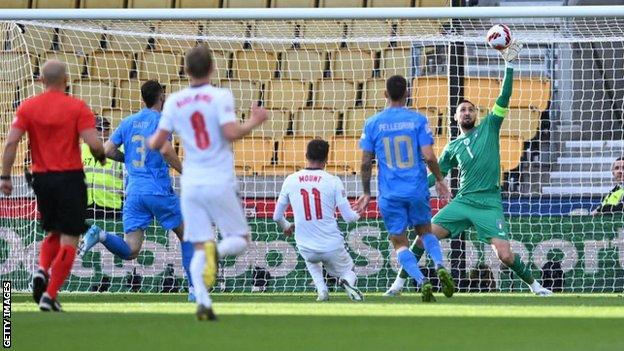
[[499, 37]]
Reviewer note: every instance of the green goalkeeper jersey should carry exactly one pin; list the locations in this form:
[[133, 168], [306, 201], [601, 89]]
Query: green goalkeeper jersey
[[477, 152]]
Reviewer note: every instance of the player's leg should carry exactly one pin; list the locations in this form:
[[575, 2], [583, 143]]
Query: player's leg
[[48, 251], [315, 268], [60, 269], [340, 264], [227, 211], [432, 246], [513, 261], [187, 249]]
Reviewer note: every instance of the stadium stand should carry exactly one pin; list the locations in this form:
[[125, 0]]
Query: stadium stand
[[97, 94], [151, 3], [103, 4], [110, 65], [197, 3], [334, 94], [287, 94], [163, 66], [293, 3], [55, 4], [315, 123]]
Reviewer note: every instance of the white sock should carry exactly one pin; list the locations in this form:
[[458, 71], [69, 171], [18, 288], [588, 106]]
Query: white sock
[[232, 246], [535, 285], [197, 267], [350, 277], [103, 235], [398, 283], [316, 271]]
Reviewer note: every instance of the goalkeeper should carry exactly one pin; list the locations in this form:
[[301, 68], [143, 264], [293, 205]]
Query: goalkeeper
[[476, 152]]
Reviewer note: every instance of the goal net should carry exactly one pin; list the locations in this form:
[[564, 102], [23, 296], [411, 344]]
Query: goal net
[[323, 78]]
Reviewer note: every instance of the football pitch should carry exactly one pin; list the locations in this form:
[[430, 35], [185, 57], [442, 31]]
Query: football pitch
[[297, 322]]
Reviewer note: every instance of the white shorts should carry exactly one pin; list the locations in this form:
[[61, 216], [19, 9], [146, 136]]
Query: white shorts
[[203, 207], [337, 263]]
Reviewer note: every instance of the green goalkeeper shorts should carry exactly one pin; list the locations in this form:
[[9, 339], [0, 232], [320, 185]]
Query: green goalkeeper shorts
[[481, 211]]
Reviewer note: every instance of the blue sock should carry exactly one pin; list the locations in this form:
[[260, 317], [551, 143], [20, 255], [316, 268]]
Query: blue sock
[[409, 263], [432, 246], [187, 255], [117, 246]]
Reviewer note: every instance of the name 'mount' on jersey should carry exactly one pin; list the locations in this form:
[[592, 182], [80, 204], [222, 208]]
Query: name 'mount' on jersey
[[395, 135]]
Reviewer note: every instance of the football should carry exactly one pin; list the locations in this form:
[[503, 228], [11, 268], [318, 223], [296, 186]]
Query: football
[[499, 37]]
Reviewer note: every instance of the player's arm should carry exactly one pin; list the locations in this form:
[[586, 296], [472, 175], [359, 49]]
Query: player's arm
[[445, 163], [280, 209], [341, 201], [501, 107], [367, 144], [8, 158], [112, 151], [233, 130], [171, 156], [90, 136], [432, 163]]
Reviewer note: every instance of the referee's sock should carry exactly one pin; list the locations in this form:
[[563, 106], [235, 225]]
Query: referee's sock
[[432, 246], [116, 245], [408, 262], [49, 248], [60, 269]]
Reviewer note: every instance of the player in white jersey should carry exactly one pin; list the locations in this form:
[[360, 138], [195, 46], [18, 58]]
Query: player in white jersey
[[314, 196], [203, 116]]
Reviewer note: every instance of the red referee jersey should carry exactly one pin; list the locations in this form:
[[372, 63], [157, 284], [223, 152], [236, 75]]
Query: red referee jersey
[[53, 121]]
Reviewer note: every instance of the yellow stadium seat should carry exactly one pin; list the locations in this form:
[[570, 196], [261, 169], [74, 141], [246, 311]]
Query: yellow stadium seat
[[275, 127], [374, 94], [163, 66], [55, 4], [432, 3], [256, 65], [433, 119], [197, 3], [342, 3], [349, 64], [303, 64], [245, 92], [129, 95], [14, 66], [418, 29], [287, 94], [252, 154], [530, 93], [354, 121], [345, 154], [14, 4], [315, 123], [115, 116], [32, 89], [110, 65], [39, 43], [397, 61], [79, 41], [8, 97], [75, 63], [293, 3], [317, 30], [481, 91], [130, 43], [179, 45], [358, 29], [97, 94], [389, 3], [177, 85], [334, 94], [274, 29], [439, 143], [245, 3], [522, 123], [105, 4], [511, 149], [150, 3], [292, 152], [237, 30], [430, 91]]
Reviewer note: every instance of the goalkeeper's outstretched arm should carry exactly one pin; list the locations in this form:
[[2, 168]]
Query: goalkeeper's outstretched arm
[[510, 54]]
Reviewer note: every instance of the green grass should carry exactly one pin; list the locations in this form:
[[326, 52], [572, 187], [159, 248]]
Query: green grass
[[296, 322]]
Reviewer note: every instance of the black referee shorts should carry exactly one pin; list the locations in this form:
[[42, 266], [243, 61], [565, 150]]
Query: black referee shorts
[[61, 200]]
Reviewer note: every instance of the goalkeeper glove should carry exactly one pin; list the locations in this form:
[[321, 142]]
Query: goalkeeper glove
[[511, 53]]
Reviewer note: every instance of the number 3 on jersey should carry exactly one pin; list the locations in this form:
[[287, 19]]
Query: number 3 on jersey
[[317, 204], [202, 140]]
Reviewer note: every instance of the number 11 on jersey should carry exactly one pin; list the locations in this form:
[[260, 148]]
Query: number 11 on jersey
[[317, 204]]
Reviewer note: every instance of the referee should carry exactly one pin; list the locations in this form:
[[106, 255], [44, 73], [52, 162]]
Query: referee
[[54, 122]]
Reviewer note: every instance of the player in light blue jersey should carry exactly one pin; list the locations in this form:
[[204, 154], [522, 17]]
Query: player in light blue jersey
[[401, 139], [149, 193]]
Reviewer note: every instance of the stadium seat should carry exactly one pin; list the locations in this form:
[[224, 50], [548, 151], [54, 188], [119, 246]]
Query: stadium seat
[[481, 91], [374, 94], [292, 152], [334, 94], [103, 4], [79, 41], [41, 41], [344, 154], [129, 43], [110, 65], [303, 64], [177, 28], [355, 65], [237, 30], [522, 123], [397, 61], [353, 122], [33, 88], [14, 4], [432, 3], [287, 94], [315, 123], [439, 143], [55, 4], [256, 65], [430, 91], [163, 66], [511, 149], [275, 127], [8, 97], [14, 66], [245, 3], [389, 3], [75, 63], [358, 29], [245, 92], [418, 28], [342, 3], [151, 3], [197, 3], [530, 93], [97, 94], [323, 30], [251, 155], [434, 120], [176, 85], [115, 116], [293, 3], [129, 95], [274, 29]]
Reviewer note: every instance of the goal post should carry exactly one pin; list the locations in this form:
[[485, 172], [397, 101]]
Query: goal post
[[321, 73]]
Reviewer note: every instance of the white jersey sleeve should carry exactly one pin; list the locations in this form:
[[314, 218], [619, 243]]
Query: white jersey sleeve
[[226, 111], [166, 116]]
